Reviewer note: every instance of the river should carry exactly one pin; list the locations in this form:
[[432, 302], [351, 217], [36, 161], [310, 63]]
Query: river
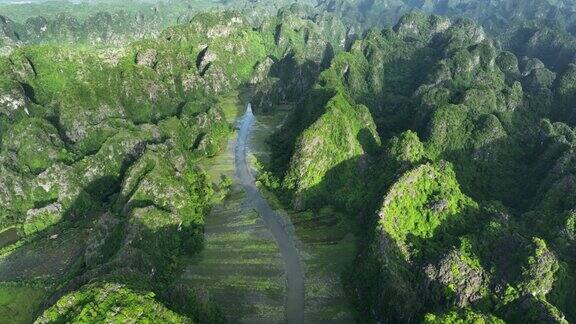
[[284, 239]]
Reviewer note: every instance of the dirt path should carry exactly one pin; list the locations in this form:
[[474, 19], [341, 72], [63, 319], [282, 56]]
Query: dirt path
[[286, 243]]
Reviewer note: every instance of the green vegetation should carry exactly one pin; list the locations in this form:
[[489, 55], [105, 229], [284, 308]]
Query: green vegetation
[[465, 316], [533, 28], [19, 303], [468, 166], [426, 162], [105, 22], [328, 250], [420, 201], [342, 133], [240, 265], [108, 143], [109, 302], [326, 244]]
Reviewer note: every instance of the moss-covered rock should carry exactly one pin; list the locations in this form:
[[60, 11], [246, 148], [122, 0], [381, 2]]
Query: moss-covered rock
[[532, 309], [539, 272], [109, 302], [461, 277], [419, 202], [462, 316], [406, 148], [413, 210], [342, 135]]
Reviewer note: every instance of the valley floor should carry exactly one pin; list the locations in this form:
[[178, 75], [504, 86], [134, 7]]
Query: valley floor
[[241, 266]]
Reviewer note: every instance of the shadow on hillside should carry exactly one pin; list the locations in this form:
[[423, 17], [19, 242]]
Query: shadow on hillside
[[150, 255], [348, 185], [386, 281], [288, 80], [509, 170], [130, 247]]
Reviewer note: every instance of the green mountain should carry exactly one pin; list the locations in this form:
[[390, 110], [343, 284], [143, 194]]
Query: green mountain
[[481, 175], [536, 28], [436, 136]]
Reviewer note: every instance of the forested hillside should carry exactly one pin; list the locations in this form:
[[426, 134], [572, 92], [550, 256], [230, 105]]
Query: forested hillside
[[536, 28], [106, 141], [453, 155], [438, 135], [106, 23]]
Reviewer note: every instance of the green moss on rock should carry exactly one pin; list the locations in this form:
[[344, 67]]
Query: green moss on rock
[[109, 302], [462, 316], [343, 133], [420, 201]]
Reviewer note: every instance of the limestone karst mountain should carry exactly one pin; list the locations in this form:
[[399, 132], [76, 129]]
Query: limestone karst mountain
[[416, 159]]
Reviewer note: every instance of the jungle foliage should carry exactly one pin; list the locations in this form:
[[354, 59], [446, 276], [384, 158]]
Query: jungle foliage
[[444, 133]]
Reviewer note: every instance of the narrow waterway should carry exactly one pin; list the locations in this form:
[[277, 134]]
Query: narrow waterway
[[284, 239]]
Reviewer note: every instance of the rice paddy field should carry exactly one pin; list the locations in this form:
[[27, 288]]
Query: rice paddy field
[[241, 266]]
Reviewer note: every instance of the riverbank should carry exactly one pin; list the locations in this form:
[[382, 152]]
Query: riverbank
[[240, 266], [274, 222]]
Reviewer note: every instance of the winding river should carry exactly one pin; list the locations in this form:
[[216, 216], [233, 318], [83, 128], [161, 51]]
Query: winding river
[[273, 221]]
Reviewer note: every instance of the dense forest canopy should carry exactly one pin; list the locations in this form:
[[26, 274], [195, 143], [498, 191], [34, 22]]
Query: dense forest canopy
[[438, 135]]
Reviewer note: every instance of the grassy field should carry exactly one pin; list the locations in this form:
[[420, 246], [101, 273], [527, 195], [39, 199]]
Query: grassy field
[[46, 259], [8, 236], [31, 269], [19, 304], [327, 248], [241, 265]]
